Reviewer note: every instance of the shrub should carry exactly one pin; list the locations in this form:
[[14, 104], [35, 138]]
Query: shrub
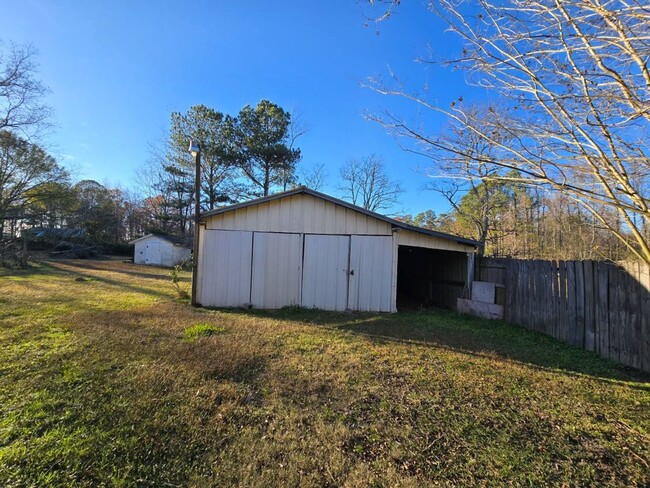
[[180, 289]]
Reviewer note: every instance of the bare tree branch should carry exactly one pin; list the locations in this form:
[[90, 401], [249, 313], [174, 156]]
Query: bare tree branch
[[574, 90]]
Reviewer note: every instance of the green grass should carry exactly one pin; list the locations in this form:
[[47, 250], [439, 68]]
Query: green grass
[[110, 380], [202, 329]]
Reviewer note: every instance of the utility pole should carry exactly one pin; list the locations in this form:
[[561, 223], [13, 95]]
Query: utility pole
[[195, 151]]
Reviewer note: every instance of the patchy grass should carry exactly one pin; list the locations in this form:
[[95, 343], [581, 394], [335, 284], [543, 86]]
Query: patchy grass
[[197, 331], [99, 387]]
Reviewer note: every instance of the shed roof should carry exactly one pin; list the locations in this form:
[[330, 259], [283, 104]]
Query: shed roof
[[176, 240], [336, 201]]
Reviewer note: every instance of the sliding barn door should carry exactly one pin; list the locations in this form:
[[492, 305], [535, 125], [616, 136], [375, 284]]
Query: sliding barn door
[[277, 270], [325, 273], [225, 268], [371, 273]]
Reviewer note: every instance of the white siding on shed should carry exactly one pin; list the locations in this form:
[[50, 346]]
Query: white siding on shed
[[156, 251], [325, 273], [180, 254], [225, 264], [277, 269]]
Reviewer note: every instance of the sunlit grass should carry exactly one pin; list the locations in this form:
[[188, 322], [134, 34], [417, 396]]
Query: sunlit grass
[[110, 380]]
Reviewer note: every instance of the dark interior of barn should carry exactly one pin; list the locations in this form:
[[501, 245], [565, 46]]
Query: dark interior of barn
[[429, 278]]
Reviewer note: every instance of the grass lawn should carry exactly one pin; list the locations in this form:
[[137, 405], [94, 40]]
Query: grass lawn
[[107, 379]]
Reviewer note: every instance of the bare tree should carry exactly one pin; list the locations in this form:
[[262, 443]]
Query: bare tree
[[21, 107], [575, 84], [298, 127], [313, 177], [365, 183], [464, 166]]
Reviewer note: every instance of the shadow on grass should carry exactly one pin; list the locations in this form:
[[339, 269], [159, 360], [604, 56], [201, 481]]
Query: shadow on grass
[[468, 335], [131, 272], [51, 269], [40, 268]]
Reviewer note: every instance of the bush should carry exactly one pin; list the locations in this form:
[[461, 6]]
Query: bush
[[180, 289]]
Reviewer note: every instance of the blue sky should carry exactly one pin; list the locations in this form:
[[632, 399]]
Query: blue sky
[[117, 69]]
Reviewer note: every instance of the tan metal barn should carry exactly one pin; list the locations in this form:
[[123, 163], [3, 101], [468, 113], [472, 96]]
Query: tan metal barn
[[160, 250], [305, 248]]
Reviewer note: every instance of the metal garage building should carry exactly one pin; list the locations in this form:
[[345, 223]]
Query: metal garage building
[[305, 248], [160, 250]]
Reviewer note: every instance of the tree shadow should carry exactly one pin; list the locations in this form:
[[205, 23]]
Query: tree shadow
[[102, 279], [467, 335], [131, 272]]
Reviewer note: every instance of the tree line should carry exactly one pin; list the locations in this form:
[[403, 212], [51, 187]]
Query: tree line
[[251, 154], [555, 164], [512, 220]]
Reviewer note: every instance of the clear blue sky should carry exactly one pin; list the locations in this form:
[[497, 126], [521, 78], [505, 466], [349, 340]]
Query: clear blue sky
[[117, 69]]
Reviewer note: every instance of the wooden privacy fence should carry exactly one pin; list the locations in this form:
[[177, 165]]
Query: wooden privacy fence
[[597, 306]]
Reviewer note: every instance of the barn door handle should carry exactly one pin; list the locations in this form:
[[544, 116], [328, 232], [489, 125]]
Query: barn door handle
[[351, 272]]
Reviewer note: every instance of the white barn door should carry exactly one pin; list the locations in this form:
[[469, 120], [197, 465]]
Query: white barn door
[[225, 268], [152, 253], [277, 270], [325, 273], [371, 273]]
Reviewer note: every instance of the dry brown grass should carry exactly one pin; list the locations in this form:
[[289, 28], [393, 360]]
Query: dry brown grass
[[99, 385]]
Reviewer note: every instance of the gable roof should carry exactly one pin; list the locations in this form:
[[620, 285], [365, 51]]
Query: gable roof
[[308, 191], [176, 240]]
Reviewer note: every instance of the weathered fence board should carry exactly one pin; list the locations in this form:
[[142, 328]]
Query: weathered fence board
[[603, 309], [644, 309], [571, 302], [597, 306], [590, 334], [562, 315]]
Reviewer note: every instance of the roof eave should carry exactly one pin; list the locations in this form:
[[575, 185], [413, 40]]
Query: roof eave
[[336, 201]]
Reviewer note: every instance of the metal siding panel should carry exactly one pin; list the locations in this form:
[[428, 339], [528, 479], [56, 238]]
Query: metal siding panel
[[277, 266], [274, 216], [213, 222], [228, 222], [201, 264], [262, 223], [296, 213], [329, 217], [409, 238], [308, 205], [307, 214], [325, 273], [339, 220], [319, 216], [224, 268], [371, 259], [285, 214]]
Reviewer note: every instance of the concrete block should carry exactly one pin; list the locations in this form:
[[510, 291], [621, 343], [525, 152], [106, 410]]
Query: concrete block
[[479, 309], [483, 291]]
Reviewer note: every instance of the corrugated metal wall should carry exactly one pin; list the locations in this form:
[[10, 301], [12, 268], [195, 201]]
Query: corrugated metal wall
[[349, 258]]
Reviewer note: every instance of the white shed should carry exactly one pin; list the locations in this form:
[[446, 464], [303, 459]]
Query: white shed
[[160, 250], [305, 248]]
